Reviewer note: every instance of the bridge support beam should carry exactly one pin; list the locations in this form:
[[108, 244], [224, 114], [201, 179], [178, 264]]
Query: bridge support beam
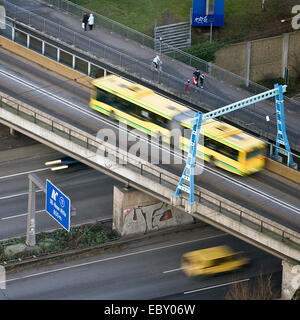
[[290, 279], [135, 212]]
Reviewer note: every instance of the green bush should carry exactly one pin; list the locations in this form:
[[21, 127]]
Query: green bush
[[205, 50], [61, 240]]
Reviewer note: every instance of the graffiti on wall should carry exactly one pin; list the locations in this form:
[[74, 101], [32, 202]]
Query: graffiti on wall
[[152, 218]]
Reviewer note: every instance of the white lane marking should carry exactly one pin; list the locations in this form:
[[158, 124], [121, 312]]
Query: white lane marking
[[22, 173], [20, 215], [216, 286], [113, 258], [17, 195], [173, 270]]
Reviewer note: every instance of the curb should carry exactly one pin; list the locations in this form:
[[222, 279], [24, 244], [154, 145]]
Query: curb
[[73, 254]]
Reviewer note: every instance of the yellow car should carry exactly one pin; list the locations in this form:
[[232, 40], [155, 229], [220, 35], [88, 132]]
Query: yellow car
[[211, 261]]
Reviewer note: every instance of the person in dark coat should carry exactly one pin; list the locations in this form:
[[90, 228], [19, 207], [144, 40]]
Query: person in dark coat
[[85, 20], [196, 75]]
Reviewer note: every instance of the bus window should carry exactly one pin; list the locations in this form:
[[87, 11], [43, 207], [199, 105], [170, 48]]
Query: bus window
[[100, 95], [221, 148], [130, 108]]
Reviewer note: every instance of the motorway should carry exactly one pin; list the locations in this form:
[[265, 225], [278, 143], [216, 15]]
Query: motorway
[[144, 270], [264, 193], [148, 269], [91, 193]]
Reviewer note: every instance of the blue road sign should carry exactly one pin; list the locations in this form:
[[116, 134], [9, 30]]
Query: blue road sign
[[58, 205]]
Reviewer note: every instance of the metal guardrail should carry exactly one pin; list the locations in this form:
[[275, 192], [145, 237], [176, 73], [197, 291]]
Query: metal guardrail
[[155, 173]]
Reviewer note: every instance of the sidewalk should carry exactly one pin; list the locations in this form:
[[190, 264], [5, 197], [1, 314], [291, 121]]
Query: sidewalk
[[255, 113]]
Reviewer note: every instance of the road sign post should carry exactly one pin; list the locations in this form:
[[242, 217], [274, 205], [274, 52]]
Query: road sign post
[[34, 182], [58, 205], [30, 235]]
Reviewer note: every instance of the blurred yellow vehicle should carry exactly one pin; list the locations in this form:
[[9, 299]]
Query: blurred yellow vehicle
[[211, 261], [225, 146]]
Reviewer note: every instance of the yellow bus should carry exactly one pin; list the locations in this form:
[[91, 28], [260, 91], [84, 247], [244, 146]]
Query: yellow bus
[[139, 107]]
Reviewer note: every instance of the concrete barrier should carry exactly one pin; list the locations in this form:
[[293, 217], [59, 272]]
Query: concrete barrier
[[45, 62], [282, 170]]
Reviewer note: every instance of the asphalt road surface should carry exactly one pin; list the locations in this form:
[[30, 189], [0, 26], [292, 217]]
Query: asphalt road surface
[[146, 270], [90, 191]]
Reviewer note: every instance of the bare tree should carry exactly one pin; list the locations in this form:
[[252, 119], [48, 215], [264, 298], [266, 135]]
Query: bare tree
[[260, 290]]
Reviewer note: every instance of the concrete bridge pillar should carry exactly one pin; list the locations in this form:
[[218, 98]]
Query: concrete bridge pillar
[[290, 279], [135, 212], [12, 131]]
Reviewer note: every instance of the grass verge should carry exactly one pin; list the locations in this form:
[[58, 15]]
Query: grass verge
[[58, 241]]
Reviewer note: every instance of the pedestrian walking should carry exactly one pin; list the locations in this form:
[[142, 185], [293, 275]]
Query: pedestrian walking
[[85, 20], [196, 75], [187, 86], [201, 80], [91, 21]]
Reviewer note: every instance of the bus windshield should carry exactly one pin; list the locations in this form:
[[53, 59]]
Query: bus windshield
[[254, 153]]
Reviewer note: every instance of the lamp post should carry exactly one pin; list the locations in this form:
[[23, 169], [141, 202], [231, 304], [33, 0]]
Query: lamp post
[[160, 43], [211, 20]]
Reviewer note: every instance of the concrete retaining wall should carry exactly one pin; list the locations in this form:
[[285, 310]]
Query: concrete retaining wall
[[282, 170], [268, 57]]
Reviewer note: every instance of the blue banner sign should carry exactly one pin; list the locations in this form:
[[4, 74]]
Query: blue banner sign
[[208, 13], [58, 205]]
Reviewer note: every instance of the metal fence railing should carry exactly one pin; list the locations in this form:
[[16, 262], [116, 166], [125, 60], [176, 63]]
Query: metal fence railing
[[155, 173], [177, 35]]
